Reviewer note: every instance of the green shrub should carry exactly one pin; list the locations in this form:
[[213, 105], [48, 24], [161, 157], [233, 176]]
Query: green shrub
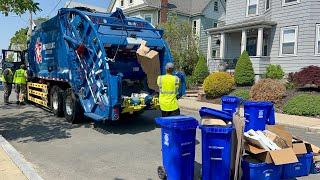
[[274, 72], [201, 70], [303, 105], [290, 86], [243, 93], [190, 82], [244, 73], [218, 84], [267, 90]]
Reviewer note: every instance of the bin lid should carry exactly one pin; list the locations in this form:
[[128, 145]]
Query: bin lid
[[204, 111], [183, 122], [258, 103], [231, 99], [217, 129]]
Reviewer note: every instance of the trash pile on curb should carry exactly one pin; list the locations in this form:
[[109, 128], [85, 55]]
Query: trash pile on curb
[[245, 147]]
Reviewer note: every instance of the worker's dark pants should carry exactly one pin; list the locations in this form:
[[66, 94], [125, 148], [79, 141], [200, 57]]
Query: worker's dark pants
[[7, 88], [170, 113]]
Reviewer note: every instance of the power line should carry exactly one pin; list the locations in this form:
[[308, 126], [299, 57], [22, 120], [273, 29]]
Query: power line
[[54, 7], [69, 3]]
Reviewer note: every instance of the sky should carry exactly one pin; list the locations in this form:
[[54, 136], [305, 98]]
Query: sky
[[10, 24]]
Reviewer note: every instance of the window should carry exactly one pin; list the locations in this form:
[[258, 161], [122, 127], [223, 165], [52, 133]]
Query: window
[[216, 6], [289, 2], [215, 24], [194, 27], [318, 39], [214, 53], [130, 1], [252, 7], [267, 5], [121, 2], [148, 17], [288, 41]]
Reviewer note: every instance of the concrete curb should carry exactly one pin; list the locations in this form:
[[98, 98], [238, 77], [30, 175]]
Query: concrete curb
[[18, 160], [308, 129]]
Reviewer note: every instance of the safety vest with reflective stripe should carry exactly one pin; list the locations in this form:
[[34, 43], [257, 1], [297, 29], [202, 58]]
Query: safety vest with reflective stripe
[[9, 75], [168, 88], [20, 77]]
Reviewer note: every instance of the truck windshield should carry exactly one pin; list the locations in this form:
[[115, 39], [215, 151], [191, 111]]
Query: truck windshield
[[12, 56]]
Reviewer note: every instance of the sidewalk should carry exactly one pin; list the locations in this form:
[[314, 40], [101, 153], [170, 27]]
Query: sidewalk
[[310, 124], [13, 166]]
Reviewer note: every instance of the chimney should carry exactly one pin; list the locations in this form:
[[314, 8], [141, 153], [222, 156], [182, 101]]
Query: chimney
[[163, 11]]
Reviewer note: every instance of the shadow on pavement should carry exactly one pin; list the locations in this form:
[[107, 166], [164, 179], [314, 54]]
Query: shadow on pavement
[[197, 170], [28, 124], [131, 124]]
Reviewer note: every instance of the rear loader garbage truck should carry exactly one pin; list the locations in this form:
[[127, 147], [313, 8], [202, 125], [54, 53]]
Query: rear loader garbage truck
[[85, 63]]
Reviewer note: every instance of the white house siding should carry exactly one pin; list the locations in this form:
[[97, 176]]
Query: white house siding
[[126, 4], [305, 15]]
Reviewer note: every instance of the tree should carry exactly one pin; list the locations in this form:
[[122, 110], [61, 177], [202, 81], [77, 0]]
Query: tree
[[244, 73], [18, 6], [19, 40], [201, 70], [182, 42]]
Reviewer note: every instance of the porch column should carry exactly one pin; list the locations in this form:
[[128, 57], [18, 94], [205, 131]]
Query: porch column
[[222, 45], [259, 42], [243, 40], [209, 51]]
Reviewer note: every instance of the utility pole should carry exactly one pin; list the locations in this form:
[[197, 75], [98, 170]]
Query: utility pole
[[30, 25]]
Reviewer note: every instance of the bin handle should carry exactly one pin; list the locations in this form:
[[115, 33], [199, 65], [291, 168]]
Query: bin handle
[[215, 147], [216, 159], [186, 154]]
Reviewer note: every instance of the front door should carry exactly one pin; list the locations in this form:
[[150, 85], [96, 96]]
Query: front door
[[252, 46]]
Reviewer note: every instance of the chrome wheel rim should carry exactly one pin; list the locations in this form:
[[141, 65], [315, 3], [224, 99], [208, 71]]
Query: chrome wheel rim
[[55, 102], [69, 108]]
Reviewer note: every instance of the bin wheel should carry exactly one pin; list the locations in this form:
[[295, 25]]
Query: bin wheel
[[162, 173]]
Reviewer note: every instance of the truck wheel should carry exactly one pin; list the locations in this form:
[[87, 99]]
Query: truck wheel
[[72, 109], [56, 101]]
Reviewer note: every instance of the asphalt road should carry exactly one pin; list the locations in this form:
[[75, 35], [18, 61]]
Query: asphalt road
[[126, 150]]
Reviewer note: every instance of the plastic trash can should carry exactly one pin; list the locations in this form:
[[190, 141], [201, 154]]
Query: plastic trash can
[[258, 114], [216, 152], [178, 134], [301, 168], [230, 103], [252, 170], [204, 111]]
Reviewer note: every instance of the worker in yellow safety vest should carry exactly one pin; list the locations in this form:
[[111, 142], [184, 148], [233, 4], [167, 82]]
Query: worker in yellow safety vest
[[7, 79], [20, 79], [168, 91]]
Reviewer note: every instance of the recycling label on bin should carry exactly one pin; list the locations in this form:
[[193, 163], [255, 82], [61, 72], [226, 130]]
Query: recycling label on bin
[[260, 114], [166, 139]]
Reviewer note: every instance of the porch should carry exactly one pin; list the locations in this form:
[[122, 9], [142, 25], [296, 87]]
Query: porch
[[253, 36]]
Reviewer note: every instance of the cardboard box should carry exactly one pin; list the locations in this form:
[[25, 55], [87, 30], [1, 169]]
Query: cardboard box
[[278, 157], [150, 63], [276, 139], [312, 148]]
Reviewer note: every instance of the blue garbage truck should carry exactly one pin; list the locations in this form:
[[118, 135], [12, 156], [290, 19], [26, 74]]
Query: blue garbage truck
[[83, 63]]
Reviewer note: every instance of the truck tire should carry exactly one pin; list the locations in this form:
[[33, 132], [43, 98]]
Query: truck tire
[[56, 101], [72, 108]]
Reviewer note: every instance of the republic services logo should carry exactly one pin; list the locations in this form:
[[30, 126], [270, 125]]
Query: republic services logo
[[38, 50]]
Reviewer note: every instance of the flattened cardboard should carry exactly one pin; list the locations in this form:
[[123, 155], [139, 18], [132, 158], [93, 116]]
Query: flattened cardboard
[[212, 121], [283, 156], [299, 148], [279, 130], [276, 139], [253, 149], [150, 63]]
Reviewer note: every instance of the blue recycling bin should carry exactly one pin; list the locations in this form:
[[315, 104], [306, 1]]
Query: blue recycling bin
[[204, 111], [230, 103], [178, 135], [216, 152], [299, 169], [258, 114], [260, 170]]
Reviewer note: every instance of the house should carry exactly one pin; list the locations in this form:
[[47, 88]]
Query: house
[[284, 32], [72, 4], [202, 14]]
